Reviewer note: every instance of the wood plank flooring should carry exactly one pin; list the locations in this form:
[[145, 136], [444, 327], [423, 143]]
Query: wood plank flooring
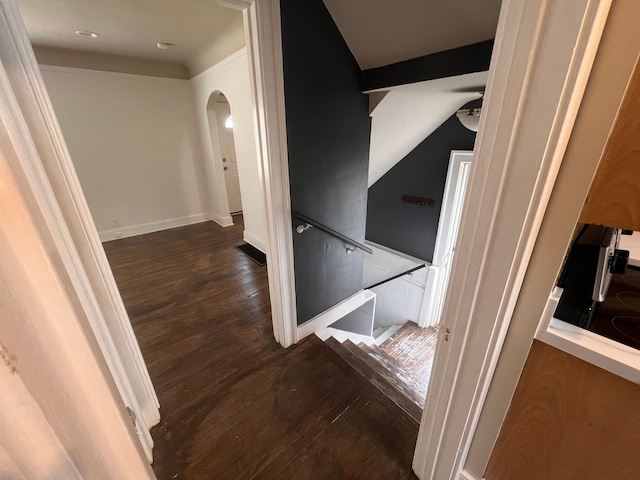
[[234, 404]]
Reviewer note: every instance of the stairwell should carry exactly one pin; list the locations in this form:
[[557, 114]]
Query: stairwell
[[398, 364]]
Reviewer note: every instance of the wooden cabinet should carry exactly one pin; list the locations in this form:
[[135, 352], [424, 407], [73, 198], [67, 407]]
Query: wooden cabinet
[[568, 420], [614, 198]]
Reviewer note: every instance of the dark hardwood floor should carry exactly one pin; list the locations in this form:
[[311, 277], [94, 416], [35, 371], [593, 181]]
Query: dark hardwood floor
[[234, 404]]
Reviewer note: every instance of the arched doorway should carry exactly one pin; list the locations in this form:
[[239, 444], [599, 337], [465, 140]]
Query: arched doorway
[[224, 150]]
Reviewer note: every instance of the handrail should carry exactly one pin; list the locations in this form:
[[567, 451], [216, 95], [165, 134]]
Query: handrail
[[397, 276], [331, 231]]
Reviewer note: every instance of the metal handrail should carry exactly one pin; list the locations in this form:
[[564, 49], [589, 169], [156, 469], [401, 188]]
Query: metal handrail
[[330, 231], [397, 276]]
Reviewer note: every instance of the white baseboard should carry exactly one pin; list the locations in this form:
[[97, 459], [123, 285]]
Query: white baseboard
[[133, 230], [253, 239], [222, 221]]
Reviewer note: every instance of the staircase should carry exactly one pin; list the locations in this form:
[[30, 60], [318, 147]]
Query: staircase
[[399, 364]]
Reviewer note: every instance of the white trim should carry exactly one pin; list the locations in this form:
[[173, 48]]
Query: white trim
[[226, 221], [450, 214], [235, 4], [221, 64], [264, 49], [607, 354], [30, 121], [253, 239], [104, 73], [335, 313], [541, 61], [141, 229]]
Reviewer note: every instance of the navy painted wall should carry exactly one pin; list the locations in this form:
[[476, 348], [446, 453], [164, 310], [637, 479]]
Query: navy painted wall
[[412, 228], [457, 61], [328, 130]]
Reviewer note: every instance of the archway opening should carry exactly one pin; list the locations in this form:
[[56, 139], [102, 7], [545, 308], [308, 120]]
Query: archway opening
[[224, 149]]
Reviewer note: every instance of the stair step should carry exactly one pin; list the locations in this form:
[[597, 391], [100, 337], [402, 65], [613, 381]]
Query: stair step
[[342, 336], [414, 348], [405, 383], [413, 386], [397, 335], [383, 379]]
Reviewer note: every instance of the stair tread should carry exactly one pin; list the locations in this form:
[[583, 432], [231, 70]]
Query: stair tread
[[413, 347], [383, 380], [400, 367], [397, 334], [409, 384], [414, 385]]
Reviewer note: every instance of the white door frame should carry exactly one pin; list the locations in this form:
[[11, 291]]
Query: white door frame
[[440, 269], [264, 49], [69, 220], [542, 57], [48, 166], [79, 296], [543, 54]]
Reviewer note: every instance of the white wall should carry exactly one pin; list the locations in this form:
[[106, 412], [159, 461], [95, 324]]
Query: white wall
[[231, 77], [133, 141], [631, 243], [399, 300]]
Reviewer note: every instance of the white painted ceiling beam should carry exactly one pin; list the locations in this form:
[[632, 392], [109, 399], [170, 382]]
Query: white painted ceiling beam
[[410, 113]]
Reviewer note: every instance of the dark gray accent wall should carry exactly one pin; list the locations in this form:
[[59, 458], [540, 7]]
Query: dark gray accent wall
[[457, 61], [328, 130], [412, 228]]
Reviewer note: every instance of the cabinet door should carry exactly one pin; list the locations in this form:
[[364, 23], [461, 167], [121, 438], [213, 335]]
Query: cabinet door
[[568, 420], [614, 198]]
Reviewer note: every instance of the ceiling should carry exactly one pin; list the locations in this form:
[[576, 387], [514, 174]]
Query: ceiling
[[131, 28], [381, 32], [378, 32]]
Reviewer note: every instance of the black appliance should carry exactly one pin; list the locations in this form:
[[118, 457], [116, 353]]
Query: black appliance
[[586, 274]]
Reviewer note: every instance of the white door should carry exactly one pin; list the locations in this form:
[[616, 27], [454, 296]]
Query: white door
[[440, 269], [229, 162]]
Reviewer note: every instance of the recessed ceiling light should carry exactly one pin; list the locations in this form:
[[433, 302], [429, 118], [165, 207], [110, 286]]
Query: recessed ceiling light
[[87, 34], [164, 45]]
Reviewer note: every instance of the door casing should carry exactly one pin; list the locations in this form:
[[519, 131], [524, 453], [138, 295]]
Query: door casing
[[542, 57]]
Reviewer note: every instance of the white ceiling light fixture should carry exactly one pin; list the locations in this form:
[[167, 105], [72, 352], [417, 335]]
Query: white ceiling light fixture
[[228, 122], [164, 45], [87, 34], [470, 118]]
